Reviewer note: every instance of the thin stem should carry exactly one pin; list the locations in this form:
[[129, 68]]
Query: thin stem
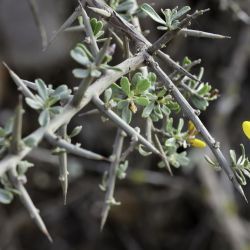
[[20, 84], [163, 155], [63, 166], [79, 95], [16, 142], [28, 203], [186, 67], [201, 34], [191, 114], [93, 44], [169, 35], [97, 88], [132, 145], [86, 82], [166, 58], [39, 24], [109, 197], [73, 149], [65, 25], [122, 124]]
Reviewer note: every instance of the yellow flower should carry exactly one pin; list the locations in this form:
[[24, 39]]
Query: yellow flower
[[192, 129], [192, 132], [197, 143], [246, 128]]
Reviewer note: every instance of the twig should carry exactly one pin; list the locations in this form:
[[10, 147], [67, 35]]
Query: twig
[[166, 58], [28, 203], [73, 149], [191, 114], [122, 124], [132, 145], [65, 25], [40, 26], [109, 197], [93, 44], [69, 111], [186, 67], [86, 82], [16, 142], [20, 84], [116, 21], [63, 166], [163, 155], [201, 34], [135, 35], [90, 112], [168, 36]]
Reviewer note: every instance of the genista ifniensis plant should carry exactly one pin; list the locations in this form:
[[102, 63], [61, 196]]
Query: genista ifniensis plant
[[169, 103]]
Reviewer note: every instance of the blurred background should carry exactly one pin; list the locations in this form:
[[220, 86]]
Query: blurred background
[[193, 210]]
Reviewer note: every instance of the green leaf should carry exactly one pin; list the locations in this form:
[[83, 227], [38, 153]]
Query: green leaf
[[126, 114], [181, 12], [182, 159], [180, 125], [168, 17], [125, 85], [143, 101], [5, 196], [23, 166], [148, 110], [95, 73], [56, 110], [96, 26], [165, 110], [125, 6], [42, 89], [107, 95], [80, 56], [30, 142], [152, 13], [173, 105], [136, 78], [52, 100], [142, 85], [76, 131], [233, 157], [142, 151], [157, 111], [44, 118], [61, 92], [122, 104], [152, 77], [199, 103], [85, 50], [35, 104], [204, 89], [80, 73], [186, 61]]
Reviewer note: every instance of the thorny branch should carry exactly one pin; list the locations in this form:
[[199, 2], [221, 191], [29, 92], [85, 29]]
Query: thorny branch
[[90, 90]]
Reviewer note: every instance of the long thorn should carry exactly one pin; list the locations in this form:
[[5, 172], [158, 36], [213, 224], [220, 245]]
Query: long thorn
[[109, 197], [63, 166], [28, 203]]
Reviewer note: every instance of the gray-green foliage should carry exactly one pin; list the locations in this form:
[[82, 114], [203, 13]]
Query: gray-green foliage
[[136, 94], [170, 21], [240, 165], [45, 100]]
